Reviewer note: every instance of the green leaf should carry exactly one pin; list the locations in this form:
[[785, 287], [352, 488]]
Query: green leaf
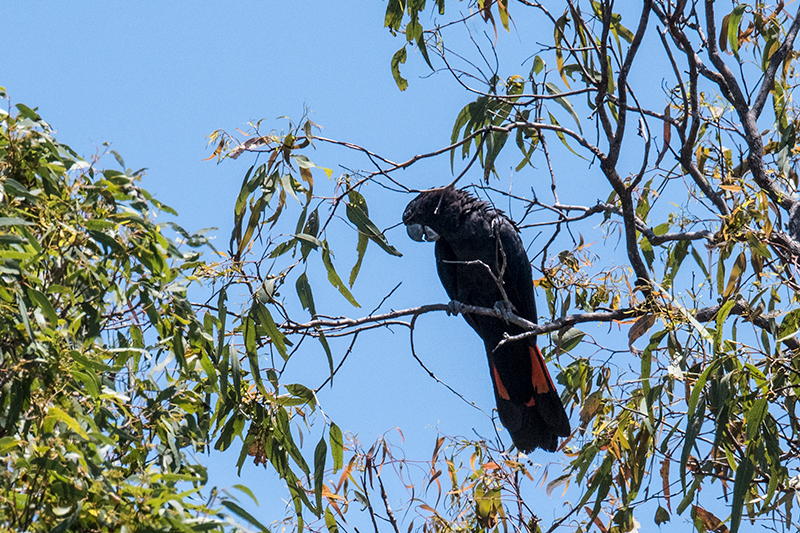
[[9, 443], [43, 303], [676, 257], [265, 319], [495, 141], [357, 213], [330, 522], [236, 373], [27, 112], [689, 495], [244, 514], [413, 29], [697, 388], [284, 434], [310, 229], [398, 58], [302, 392], [320, 455], [252, 353], [695, 415], [394, 15], [564, 102], [232, 428], [538, 65], [284, 247], [67, 523], [569, 339], [622, 31], [334, 278], [722, 315], [662, 516], [54, 414], [789, 325], [14, 221], [562, 137], [324, 342], [337, 447], [733, 28], [245, 489], [313, 242], [221, 320], [424, 51], [304, 293], [741, 486], [700, 263], [757, 247], [361, 250], [464, 116], [755, 416]]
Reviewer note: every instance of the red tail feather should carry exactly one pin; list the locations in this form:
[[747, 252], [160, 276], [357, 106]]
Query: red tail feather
[[540, 377]]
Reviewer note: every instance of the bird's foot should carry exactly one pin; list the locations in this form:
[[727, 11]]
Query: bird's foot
[[505, 308], [452, 307]]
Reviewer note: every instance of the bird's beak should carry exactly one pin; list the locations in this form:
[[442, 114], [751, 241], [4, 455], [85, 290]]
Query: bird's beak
[[421, 233]]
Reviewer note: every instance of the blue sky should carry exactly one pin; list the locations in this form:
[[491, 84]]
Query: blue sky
[[154, 79]]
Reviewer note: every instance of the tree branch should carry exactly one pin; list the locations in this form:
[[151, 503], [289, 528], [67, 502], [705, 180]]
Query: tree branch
[[774, 62], [704, 314]]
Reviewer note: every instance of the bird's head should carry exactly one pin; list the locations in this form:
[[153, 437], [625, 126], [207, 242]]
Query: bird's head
[[433, 213]]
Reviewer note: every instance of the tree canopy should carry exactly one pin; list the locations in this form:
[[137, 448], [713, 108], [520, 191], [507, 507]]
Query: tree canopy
[[682, 238]]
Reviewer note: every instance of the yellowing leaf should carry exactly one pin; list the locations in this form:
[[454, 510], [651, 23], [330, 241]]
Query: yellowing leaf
[[56, 414]]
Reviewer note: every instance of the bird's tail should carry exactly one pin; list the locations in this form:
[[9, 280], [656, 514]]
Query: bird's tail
[[537, 419]]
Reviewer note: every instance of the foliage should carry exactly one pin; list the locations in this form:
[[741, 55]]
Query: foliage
[[111, 378], [107, 372], [697, 180]]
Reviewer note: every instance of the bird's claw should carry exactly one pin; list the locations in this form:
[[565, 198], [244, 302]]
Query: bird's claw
[[453, 307], [505, 308]]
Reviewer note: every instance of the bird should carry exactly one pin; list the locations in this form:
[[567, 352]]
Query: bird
[[481, 261]]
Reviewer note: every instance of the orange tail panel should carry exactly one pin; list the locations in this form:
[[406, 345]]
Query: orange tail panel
[[540, 377]]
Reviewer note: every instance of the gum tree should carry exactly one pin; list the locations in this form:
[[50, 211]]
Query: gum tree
[[682, 116], [107, 370], [682, 235]]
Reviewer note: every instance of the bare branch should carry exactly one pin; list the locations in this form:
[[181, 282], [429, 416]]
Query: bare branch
[[774, 62], [386, 505], [622, 82]]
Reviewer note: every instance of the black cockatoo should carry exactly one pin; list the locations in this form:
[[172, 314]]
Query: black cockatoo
[[471, 235]]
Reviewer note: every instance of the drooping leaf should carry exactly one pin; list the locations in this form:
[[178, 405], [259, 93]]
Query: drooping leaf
[[304, 293], [320, 455], [357, 213], [741, 486], [264, 317], [662, 516], [242, 513], [734, 19], [43, 303], [394, 15], [640, 327], [334, 278], [337, 447], [755, 416], [735, 278], [564, 102], [397, 59], [494, 143], [361, 250]]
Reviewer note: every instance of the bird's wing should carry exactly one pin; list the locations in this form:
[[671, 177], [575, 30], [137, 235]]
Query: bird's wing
[[517, 280]]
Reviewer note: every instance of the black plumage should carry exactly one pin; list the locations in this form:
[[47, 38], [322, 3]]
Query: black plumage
[[470, 236]]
